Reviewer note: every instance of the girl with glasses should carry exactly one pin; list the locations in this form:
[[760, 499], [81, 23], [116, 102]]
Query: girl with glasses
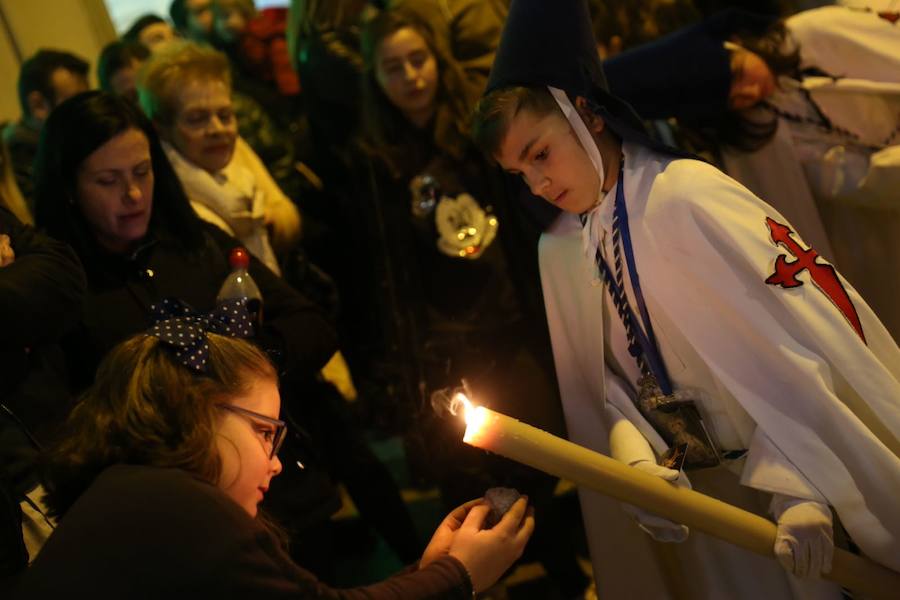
[[159, 474]]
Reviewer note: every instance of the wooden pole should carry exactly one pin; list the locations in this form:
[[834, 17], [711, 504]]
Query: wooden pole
[[536, 448]]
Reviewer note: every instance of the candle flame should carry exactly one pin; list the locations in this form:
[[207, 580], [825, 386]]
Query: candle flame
[[460, 403], [475, 416]]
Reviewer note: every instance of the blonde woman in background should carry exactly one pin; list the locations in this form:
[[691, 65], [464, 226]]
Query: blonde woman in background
[[186, 92]]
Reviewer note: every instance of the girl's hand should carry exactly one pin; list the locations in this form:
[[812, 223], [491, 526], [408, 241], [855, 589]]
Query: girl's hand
[[444, 534], [488, 553]]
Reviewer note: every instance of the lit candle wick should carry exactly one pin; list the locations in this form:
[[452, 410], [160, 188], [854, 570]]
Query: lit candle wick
[[460, 403], [475, 416]]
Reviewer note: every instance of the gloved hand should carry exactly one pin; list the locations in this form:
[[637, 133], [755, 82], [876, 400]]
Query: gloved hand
[[628, 445], [804, 542]]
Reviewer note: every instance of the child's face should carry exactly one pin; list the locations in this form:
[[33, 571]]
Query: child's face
[[544, 151], [407, 72], [243, 447], [752, 81]]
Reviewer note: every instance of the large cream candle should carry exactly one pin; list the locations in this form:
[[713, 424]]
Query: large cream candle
[[529, 445]]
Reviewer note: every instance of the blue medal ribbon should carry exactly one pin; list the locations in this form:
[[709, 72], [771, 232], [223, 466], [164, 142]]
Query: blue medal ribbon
[[642, 344]]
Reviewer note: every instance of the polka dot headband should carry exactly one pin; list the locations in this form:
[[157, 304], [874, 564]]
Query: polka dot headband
[[184, 330]]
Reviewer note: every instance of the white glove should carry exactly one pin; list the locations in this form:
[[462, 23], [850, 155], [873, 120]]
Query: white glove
[[661, 530], [627, 445], [804, 542]]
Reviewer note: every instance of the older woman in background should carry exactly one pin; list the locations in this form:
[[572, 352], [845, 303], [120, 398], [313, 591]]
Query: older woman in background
[[186, 92]]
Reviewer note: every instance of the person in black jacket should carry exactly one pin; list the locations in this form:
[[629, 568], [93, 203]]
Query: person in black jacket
[[323, 44], [41, 289], [105, 186], [166, 458], [448, 273]]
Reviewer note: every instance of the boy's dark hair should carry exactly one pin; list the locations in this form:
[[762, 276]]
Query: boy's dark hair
[[118, 55], [134, 32], [36, 73], [493, 113]]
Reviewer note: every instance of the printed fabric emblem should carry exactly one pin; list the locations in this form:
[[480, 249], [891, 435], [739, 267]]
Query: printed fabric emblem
[[465, 230], [822, 274]]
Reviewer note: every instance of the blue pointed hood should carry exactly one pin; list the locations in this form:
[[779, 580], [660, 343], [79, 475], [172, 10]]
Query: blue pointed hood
[[551, 43]]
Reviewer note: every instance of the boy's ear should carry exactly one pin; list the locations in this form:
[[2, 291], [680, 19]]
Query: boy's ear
[[594, 122]]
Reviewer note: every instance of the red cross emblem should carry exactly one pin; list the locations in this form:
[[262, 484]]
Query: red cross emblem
[[823, 275]]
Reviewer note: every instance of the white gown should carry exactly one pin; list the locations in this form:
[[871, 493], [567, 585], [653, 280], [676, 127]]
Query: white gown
[[781, 370]]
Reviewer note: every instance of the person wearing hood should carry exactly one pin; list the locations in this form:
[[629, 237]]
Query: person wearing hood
[[693, 325], [804, 112]]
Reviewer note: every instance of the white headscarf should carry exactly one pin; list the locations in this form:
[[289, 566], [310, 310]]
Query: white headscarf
[[592, 232]]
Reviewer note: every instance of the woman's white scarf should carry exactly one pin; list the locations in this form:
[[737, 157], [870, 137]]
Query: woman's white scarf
[[231, 200]]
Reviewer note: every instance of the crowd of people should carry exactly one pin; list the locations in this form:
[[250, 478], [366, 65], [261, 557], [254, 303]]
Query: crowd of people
[[435, 196]]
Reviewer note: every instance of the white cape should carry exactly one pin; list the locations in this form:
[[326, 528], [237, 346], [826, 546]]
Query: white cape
[[825, 403]]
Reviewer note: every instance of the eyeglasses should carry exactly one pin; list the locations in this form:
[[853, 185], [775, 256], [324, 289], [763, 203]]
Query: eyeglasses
[[273, 438]]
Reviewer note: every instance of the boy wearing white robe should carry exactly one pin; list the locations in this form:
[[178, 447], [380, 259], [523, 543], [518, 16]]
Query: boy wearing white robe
[[781, 355]]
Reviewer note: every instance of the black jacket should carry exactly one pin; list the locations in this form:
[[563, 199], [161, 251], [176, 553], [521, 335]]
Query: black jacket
[[40, 297], [295, 334], [121, 290], [147, 532], [419, 315]]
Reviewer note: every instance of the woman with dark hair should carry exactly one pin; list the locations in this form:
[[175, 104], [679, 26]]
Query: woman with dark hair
[[397, 104], [431, 245], [83, 126], [106, 187]]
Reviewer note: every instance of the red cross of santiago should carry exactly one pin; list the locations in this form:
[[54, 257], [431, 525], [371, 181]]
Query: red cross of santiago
[[823, 275]]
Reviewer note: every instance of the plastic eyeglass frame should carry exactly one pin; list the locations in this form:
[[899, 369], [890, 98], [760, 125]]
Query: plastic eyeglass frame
[[280, 426]]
